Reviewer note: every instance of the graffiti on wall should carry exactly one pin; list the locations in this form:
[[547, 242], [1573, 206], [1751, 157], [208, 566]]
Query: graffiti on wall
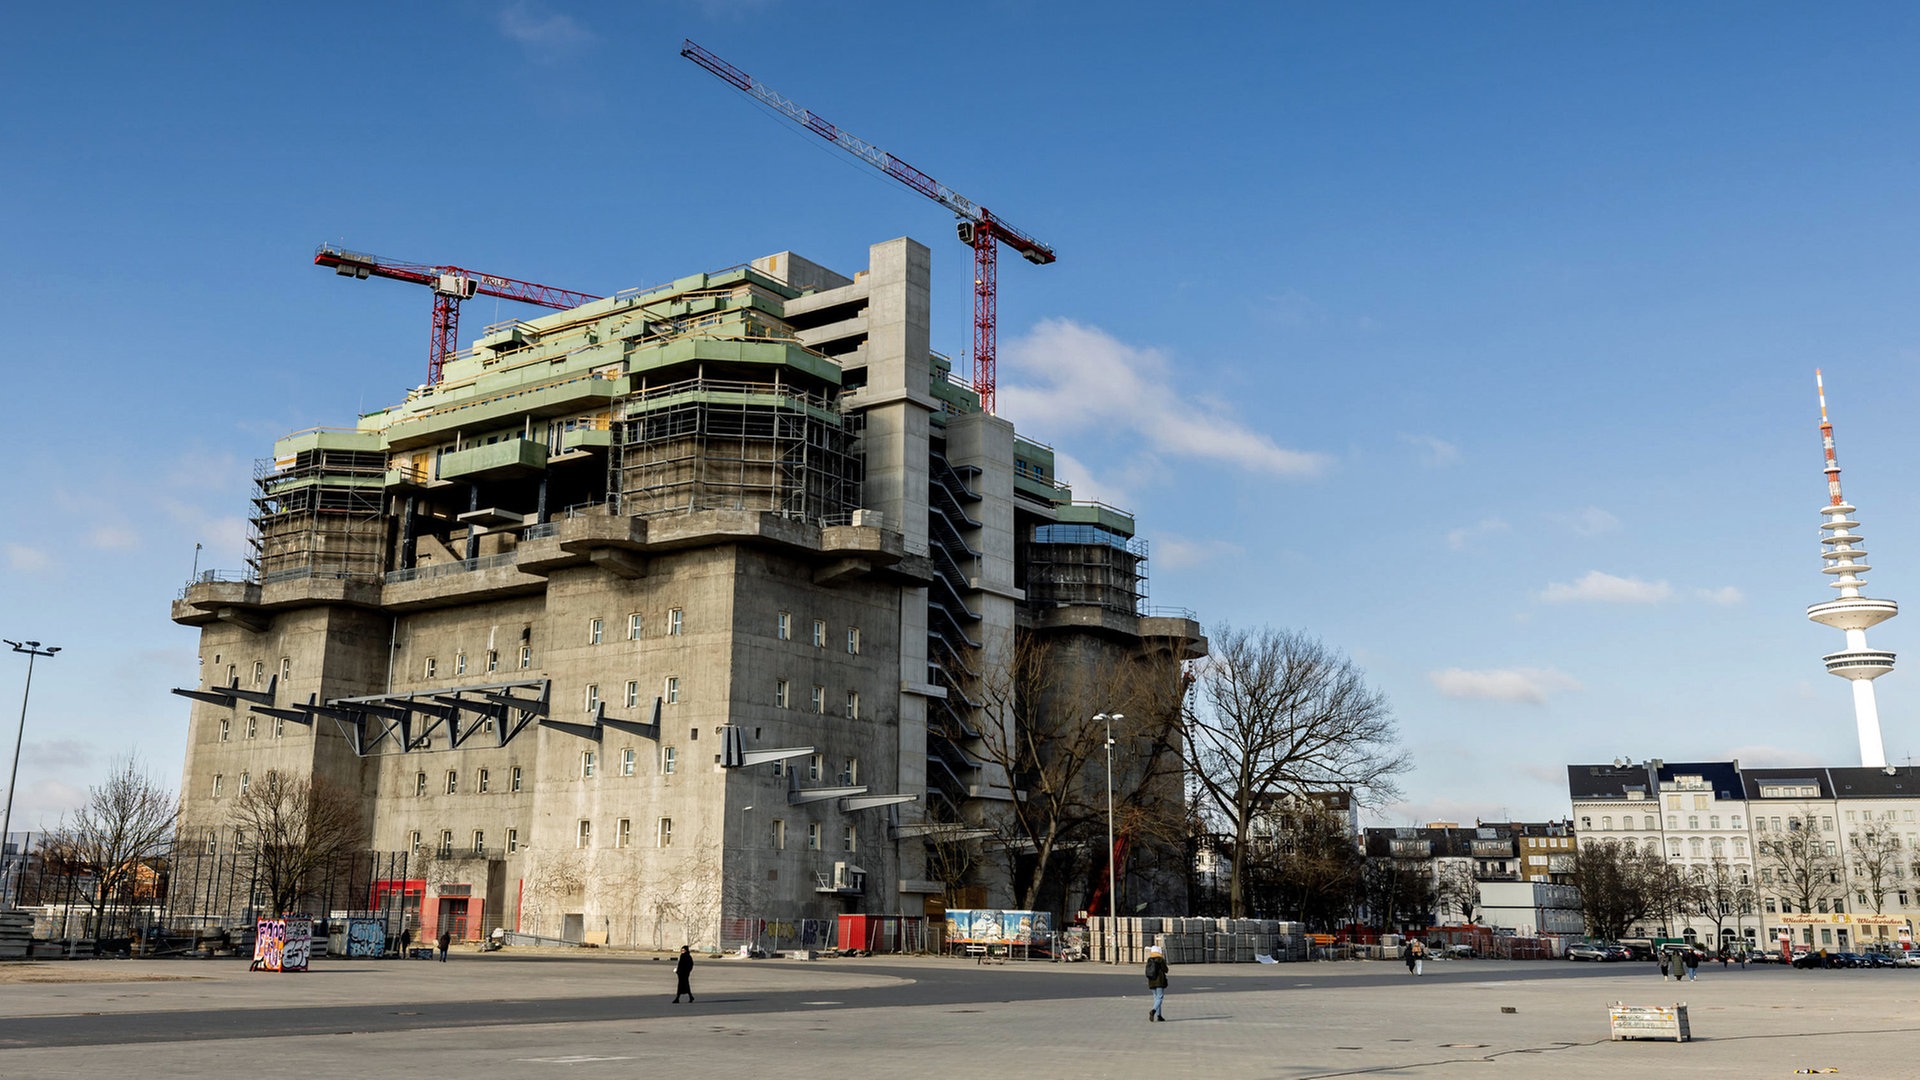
[[269, 944], [366, 937], [299, 944]]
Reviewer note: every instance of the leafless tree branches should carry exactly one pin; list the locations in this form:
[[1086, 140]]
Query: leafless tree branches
[[298, 828]]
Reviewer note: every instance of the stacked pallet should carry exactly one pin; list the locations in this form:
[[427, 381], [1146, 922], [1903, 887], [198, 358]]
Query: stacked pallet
[[1195, 941], [16, 934]]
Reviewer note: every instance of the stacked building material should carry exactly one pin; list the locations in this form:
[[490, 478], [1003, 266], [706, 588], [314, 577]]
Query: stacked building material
[[16, 934]]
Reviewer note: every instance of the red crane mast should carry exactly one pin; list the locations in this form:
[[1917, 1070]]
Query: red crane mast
[[450, 285], [978, 227]]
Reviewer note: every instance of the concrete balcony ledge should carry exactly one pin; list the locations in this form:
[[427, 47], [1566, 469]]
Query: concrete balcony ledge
[[445, 586]]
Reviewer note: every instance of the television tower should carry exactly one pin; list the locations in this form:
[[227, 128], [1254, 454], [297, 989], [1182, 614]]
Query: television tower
[[1850, 612]]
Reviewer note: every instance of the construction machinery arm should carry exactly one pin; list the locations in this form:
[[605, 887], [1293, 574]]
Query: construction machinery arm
[[970, 212], [448, 280]]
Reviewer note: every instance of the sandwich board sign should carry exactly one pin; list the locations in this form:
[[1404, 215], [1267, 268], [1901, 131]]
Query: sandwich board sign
[[1648, 1022]]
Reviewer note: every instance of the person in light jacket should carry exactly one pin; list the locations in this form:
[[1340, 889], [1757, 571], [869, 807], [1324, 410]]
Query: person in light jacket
[[1156, 980]]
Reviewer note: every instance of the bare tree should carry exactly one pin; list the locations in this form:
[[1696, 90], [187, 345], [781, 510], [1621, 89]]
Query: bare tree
[[116, 838], [1398, 892], [1618, 887], [1796, 866], [1455, 889], [1725, 892], [1875, 853], [1303, 864], [1281, 713], [299, 829], [1044, 730]]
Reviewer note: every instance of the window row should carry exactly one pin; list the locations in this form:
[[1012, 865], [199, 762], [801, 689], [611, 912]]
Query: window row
[[669, 693], [623, 833], [816, 768], [250, 728], [259, 672], [636, 624], [431, 668], [777, 836], [816, 699], [783, 630], [1648, 822], [479, 845]]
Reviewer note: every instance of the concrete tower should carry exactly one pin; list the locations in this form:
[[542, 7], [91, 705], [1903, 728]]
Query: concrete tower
[[1851, 612]]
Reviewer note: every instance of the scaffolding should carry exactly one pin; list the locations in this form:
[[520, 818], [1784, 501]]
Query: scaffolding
[[319, 515], [1085, 566], [711, 444]]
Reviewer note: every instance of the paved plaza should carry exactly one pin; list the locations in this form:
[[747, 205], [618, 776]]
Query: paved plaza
[[530, 1017]]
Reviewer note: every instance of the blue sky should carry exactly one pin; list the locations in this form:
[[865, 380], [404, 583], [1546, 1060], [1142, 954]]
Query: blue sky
[[1477, 339]]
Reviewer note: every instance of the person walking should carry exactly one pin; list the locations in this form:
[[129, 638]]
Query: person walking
[[683, 971], [1676, 965], [1693, 966], [1419, 953], [445, 939], [1156, 980]]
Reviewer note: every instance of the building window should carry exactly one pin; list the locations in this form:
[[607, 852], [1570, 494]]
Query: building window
[[594, 629], [420, 783], [818, 702], [1713, 822], [459, 663], [286, 668], [453, 782], [1650, 825], [849, 839], [853, 704], [623, 834], [782, 694], [479, 842], [446, 843], [253, 725], [414, 840], [513, 841], [814, 765], [673, 689], [586, 763], [526, 657], [676, 622], [1673, 822], [259, 672], [819, 634], [666, 832], [482, 785], [813, 836], [513, 779], [1606, 823], [493, 660], [219, 782], [669, 759], [783, 626], [1693, 821], [226, 729], [633, 693], [246, 781], [432, 666], [593, 697], [626, 762], [279, 726], [1586, 823], [583, 836], [850, 772], [633, 627], [853, 641], [779, 835]]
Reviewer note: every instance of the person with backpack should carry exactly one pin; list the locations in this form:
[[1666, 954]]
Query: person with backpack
[[1156, 980]]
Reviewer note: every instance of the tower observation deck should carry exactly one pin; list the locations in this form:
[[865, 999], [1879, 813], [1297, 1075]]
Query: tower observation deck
[[1850, 612]]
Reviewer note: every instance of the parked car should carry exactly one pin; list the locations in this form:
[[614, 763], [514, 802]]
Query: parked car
[[1619, 952], [1588, 952]]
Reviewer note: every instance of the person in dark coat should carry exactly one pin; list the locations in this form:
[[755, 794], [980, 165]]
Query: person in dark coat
[[445, 939], [1156, 980], [1693, 966], [684, 971]]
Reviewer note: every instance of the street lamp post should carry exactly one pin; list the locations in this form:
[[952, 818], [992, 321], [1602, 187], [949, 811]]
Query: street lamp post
[[1113, 897], [32, 649]]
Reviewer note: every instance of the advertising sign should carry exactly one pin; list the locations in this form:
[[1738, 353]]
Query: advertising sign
[[298, 947]]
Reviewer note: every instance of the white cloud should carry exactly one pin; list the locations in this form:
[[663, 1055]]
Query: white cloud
[[114, 538], [1529, 685], [29, 559], [1435, 453], [1591, 521], [1090, 379], [1088, 484], [1180, 552], [1725, 595], [1460, 539], [1603, 588], [541, 31]]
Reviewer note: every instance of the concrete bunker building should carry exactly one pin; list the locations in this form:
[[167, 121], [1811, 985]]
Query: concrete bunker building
[[668, 610]]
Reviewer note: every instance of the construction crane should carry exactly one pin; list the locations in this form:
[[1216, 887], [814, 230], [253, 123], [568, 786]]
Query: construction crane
[[978, 228], [450, 285]]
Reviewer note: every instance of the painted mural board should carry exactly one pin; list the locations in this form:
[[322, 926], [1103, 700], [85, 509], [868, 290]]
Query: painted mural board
[[282, 944], [298, 949], [991, 926], [366, 937]]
